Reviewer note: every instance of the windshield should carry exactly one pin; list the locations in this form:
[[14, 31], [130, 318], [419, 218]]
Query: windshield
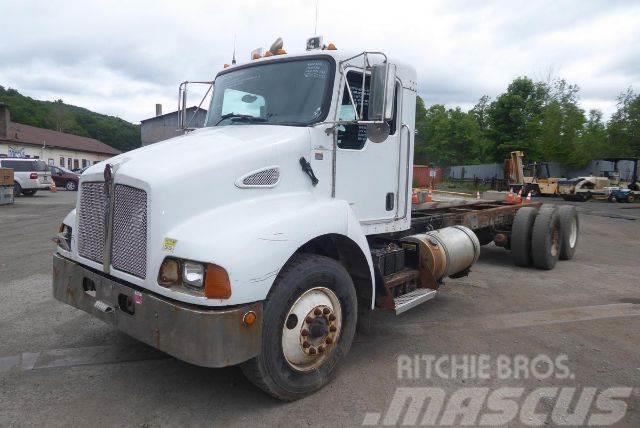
[[294, 92]]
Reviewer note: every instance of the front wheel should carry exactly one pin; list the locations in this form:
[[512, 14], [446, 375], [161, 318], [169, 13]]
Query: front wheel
[[17, 189], [71, 185], [308, 325], [29, 192]]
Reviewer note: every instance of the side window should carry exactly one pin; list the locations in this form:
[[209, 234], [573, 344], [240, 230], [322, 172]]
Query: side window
[[393, 123], [354, 137]]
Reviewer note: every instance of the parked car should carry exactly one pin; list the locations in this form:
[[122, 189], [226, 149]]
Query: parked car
[[64, 178], [30, 175]]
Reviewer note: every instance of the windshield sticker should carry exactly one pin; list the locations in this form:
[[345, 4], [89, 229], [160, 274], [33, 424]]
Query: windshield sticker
[[169, 245], [316, 70]]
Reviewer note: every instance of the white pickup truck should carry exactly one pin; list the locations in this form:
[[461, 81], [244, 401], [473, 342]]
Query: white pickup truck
[[264, 237]]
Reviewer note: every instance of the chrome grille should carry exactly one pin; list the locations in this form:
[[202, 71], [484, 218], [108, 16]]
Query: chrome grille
[[266, 177], [93, 208], [129, 244]]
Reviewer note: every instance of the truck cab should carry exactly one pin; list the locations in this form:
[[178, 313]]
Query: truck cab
[[263, 237]]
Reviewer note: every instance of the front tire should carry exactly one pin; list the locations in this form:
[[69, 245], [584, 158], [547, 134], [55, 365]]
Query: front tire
[[71, 186], [309, 321], [29, 192], [17, 189]]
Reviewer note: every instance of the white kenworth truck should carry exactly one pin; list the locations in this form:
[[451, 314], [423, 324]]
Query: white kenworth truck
[[264, 237]]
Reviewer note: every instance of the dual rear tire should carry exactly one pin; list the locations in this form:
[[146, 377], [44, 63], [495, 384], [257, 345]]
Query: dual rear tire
[[540, 237]]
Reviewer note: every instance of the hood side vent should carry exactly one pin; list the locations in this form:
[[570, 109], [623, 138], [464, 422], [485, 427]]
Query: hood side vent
[[263, 177]]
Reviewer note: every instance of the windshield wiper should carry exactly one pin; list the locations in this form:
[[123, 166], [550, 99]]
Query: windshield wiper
[[239, 117]]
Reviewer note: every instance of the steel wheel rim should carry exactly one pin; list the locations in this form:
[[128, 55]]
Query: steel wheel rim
[[311, 329], [573, 237], [70, 185]]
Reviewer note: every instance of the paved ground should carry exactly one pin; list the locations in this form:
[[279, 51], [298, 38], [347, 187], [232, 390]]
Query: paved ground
[[58, 366]]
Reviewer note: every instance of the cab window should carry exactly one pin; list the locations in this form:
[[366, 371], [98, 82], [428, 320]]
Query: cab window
[[354, 137]]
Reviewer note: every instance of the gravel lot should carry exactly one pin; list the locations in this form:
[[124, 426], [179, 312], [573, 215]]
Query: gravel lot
[[59, 366]]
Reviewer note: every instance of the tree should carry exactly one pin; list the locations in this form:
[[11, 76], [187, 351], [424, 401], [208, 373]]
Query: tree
[[515, 118], [561, 125], [624, 126], [593, 142], [447, 137], [484, 149]]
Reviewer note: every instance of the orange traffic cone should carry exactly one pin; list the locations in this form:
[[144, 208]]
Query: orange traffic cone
[[53, 187], [429, 196], [414, 198], [510, 196]]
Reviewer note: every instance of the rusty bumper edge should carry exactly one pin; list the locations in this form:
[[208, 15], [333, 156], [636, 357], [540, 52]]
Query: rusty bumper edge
[[195, 334]]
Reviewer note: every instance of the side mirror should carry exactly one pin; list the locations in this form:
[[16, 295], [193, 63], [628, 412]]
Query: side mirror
[[383, 82]]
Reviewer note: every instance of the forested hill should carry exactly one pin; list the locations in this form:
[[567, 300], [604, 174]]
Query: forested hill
[[56, 115]]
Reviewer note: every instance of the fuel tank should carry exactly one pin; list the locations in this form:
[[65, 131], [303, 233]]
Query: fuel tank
[[446, 252]]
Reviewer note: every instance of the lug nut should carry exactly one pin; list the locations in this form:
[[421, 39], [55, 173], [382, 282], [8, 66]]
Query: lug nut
[[304, 332], [329, 341], [333, 329], [326, 311], [305, 344], [332, 317], [317, 312], [312, 351], [308, 320], [320, 349]]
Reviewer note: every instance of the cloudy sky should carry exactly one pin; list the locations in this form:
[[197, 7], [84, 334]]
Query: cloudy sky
[[121, 57]]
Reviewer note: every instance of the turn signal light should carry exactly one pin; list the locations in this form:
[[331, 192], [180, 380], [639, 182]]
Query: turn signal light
[[281, 52], [331, 47], [268, 53], [216, 283]]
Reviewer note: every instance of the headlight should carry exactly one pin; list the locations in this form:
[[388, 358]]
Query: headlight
[[193, 274], [202, 278]]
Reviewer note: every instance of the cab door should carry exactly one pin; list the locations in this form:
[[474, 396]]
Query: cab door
[[366, 172]]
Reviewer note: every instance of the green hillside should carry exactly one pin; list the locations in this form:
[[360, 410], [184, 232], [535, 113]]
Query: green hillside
[[63, 117]]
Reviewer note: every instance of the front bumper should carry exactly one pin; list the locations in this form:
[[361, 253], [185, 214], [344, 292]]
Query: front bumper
[[195, 334]]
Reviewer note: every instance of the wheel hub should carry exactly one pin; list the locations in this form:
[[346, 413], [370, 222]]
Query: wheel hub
[[311, 329]]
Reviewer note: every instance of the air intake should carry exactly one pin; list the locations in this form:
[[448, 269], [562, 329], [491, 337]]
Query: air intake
[[265, 177]]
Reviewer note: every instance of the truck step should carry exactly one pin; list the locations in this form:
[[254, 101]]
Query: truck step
[[407, 301]]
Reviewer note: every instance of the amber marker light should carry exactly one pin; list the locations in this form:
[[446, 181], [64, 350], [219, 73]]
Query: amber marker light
[[216, 283], [331, 47], [249, 318]]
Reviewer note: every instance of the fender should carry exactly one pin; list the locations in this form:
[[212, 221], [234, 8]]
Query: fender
[[253, 239]]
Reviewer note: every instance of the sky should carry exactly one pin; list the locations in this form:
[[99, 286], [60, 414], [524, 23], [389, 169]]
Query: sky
[[123, 57]]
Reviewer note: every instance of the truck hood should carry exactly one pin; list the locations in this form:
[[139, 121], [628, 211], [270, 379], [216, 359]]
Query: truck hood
[[204, 154]]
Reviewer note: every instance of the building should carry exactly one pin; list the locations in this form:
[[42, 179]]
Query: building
[[165, 126], [55, 148]]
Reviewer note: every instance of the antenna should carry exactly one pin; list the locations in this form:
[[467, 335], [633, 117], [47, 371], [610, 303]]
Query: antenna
[[233, 60], [315, 28]]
